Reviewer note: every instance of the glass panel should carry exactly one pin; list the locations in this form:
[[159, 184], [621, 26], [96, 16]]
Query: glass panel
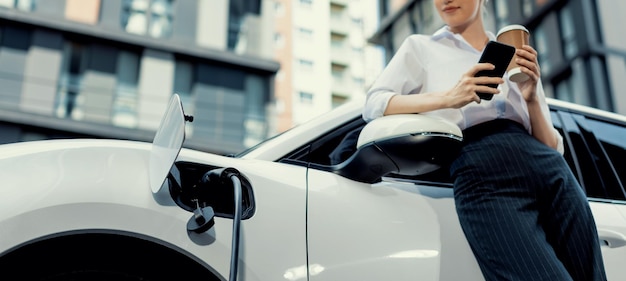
[[568, 34], [567, 154], [607, 185], [611, 138], [543, 54], [502, 12], [137, 22], [589, 178], [306, 98], [69, 104], [183, 81], [306, 3], [579, 82], [7, 3], [306, 65], [161, 18], [564, 91], [527, 8], [124, 111], [148, 16], [25, 5]]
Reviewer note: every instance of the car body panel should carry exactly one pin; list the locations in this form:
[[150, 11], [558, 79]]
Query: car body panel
[[57, 187], [360, 231], [611, 225]]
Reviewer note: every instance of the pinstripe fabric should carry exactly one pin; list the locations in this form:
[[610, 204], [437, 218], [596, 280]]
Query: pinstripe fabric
[[522, 210]]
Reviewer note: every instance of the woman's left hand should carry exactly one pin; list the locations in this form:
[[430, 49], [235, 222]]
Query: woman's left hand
[[527, 59]]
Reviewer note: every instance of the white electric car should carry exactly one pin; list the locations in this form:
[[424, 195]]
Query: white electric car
[[332, 199]]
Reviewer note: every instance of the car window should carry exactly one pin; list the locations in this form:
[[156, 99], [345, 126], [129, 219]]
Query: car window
[[588, 158], [331, 148], [570, 157], [610, 141], [592, 150]]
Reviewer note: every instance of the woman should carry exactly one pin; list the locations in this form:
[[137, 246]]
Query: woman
[[522, 211]]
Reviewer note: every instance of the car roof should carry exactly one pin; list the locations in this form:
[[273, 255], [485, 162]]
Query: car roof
[[586, 110]]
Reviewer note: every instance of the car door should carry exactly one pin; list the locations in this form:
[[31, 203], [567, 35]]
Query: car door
[[595, 150], [397, 229]]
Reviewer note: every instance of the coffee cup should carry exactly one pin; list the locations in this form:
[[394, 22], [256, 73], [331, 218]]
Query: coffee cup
[[515, 35]]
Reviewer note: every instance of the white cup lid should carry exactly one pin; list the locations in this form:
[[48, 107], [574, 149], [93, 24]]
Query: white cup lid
[[512, 27]]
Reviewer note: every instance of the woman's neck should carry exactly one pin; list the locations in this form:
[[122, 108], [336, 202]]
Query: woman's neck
[[474, 34]]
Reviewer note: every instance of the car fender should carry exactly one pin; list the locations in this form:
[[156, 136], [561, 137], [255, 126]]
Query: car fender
[[72, 186], [69, 186]]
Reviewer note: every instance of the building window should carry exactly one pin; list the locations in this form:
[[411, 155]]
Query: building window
[[279, 40], [152, 17], [305, 32], [68, 104], [573, 84], [305, 64], [358, 81], [305, 97], [528, 7], [568, 34], [337, 40], [502, 13], [239, 29], [357, 22], [306, 3], [543, 54], [337, 100], [125, 104], [15, 44], [229, 104], [24, 5], [183, 84], [279, 9]]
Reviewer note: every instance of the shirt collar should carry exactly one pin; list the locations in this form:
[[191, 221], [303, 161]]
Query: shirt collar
[[444, 32]]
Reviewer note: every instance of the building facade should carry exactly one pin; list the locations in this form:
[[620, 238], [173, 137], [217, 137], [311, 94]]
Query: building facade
[[94, 68], [582, 51], [325, 56]]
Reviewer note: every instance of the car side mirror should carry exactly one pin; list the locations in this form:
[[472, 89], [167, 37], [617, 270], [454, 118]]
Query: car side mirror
[[406, 144]]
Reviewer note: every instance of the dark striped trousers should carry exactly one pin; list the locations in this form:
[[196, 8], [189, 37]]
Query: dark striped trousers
[[524, 214]]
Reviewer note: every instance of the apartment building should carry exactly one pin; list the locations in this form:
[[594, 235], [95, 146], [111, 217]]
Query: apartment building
[[324, 55], [95, 68], [582, 50]]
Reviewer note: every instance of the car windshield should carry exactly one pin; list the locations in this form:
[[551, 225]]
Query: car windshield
[[248, 150]]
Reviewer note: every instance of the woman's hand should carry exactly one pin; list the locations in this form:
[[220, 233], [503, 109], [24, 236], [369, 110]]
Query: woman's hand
[[466, 90], [527, 59]]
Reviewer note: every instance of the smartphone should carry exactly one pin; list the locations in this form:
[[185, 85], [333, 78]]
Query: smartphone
[[498, 54]]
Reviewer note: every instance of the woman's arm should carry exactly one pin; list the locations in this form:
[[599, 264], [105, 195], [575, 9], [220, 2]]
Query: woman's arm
[[538, 111], [542, 129], [461, 94]]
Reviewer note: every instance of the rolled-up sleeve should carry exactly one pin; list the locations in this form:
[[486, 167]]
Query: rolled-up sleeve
[[402, 75], [376, 104]]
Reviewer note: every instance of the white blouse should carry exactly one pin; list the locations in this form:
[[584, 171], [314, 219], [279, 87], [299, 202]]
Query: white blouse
[[435, 63]]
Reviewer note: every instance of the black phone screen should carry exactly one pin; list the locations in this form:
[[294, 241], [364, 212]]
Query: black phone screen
[[500, 56]]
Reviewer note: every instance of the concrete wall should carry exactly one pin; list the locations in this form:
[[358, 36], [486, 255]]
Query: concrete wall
[[212, 24], [85, 11]]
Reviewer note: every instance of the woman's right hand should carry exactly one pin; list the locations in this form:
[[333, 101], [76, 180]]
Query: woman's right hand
[[465, 91]]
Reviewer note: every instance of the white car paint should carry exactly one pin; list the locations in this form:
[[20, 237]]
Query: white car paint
[[308, 224]]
